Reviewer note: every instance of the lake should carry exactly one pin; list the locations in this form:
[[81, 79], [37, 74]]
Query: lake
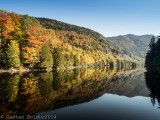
[[80, 94]]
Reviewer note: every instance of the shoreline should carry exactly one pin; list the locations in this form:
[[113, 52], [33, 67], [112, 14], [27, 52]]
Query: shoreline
[[25, 70], [14, 70]]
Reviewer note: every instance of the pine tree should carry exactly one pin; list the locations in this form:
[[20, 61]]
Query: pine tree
[[2, 56], [76, 61], [13, 55], [46, 59], [157, 55], [150, 57], [58, 58]]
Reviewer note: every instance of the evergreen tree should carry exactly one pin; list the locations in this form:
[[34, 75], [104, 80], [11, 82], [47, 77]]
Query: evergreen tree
[[58, 58], [157, 55], [76, 61], [150, 57], [71, 58], [46, 59], [2, 56], [13, 59]]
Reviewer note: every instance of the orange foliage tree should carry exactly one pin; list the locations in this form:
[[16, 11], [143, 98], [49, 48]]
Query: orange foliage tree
[[6, 29], [33, 42]]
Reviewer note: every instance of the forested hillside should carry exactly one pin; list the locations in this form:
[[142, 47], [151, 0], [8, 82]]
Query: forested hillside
[[152, 61], [61, 26], [107, 45], [31, 42], [134, 46], [130, 45]]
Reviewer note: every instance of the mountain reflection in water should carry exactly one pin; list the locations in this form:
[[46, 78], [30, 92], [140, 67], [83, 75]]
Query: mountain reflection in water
[[60, 93]]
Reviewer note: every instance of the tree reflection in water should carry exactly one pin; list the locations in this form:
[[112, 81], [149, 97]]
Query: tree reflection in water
[[31, 93], [153, 84]]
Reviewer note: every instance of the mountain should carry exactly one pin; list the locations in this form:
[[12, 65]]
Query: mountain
[[58, 25], [133, 45], [99, 42], [35, 41], [62, 26]]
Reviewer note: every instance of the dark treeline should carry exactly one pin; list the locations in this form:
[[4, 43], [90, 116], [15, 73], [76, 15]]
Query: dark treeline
[[152, 65], [153, 84], [152, 62]]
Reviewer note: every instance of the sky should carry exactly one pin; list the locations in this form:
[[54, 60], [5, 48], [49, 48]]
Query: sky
[[108, 17]]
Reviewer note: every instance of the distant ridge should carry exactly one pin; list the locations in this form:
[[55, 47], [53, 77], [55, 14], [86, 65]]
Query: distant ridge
[[133, 45]]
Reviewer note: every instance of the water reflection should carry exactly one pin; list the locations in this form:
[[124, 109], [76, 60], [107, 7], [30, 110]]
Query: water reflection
[[31, 93], [153, 84]]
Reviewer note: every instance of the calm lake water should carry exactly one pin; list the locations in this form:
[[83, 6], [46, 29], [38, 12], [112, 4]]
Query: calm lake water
[[85, 94]]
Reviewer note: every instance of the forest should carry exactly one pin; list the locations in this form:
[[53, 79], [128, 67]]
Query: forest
[[152, 62], [39, 43]]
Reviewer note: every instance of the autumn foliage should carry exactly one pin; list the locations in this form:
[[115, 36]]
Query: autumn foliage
[[22, 39]]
